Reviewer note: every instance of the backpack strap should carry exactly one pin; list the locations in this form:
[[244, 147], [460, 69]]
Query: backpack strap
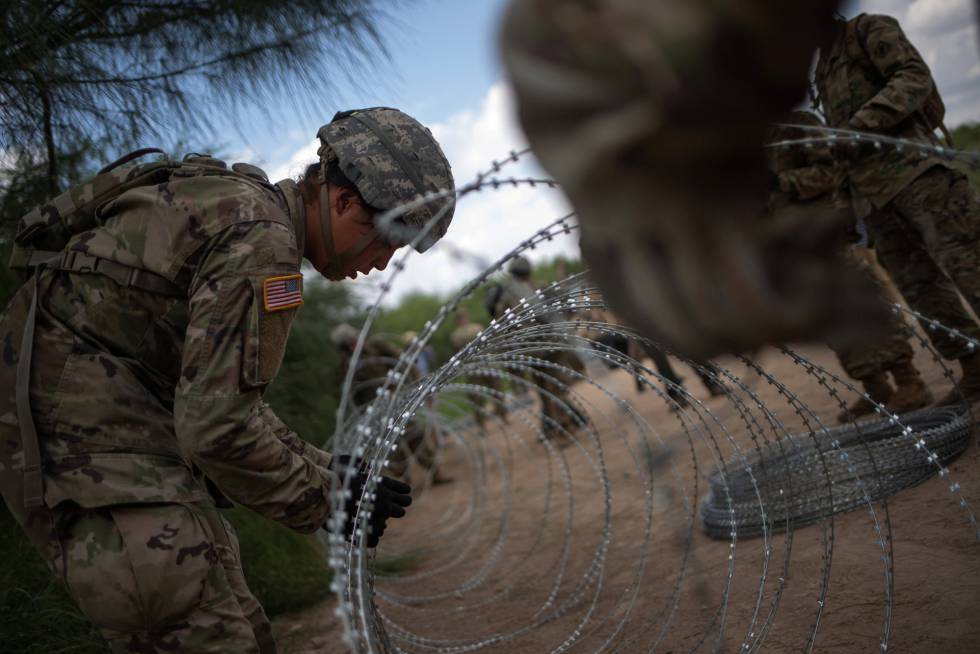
[[33, 479], [144, 280], [126, 158], [77, 262]]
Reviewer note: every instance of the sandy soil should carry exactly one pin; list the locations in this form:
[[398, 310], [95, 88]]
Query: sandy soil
[[537, 547]]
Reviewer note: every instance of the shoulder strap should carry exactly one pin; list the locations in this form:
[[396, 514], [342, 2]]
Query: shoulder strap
[[126, 158], [33, 479]]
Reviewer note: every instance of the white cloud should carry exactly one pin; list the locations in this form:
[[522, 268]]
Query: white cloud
[[929, 18], [487, 224], [294, 165]]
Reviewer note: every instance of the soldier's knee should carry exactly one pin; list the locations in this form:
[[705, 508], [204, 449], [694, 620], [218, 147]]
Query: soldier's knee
[[149, 575]]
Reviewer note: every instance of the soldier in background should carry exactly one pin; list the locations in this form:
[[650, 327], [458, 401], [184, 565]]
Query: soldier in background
[[923, 211], [136, 359], [802, 177], [466, 330], [378, 356], [559, 416]]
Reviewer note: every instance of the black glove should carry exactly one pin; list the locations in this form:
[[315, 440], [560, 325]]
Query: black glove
[[391, 498]]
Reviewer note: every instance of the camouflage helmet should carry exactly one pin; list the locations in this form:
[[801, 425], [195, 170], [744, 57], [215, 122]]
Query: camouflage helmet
[[393, 159], [519, 267], [344, 334]]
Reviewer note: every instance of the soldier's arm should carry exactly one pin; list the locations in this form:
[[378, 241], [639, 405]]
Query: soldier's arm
[[292, 440], [908, 80], [810, 182], [233, 348]]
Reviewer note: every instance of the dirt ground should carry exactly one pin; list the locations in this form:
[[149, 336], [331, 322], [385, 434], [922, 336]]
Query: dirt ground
[[527, 550]]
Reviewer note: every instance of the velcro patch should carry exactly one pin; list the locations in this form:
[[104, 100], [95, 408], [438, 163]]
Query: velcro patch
[[283, 292]]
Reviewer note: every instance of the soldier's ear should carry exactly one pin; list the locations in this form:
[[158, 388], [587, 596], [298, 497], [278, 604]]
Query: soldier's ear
[[346, 201]]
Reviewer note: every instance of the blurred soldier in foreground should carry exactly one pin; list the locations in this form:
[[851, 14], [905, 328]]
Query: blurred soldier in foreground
[[135, 360], [807, 176], [870, 78], [466, 330], [636, 108], [560, 418], [378, 356]]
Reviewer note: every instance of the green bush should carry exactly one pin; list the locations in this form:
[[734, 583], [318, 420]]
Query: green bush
[[967, 137]]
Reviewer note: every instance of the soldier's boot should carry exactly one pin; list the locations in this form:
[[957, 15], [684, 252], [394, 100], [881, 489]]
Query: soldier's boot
[[911, 392], [878, 388], [968, 386]]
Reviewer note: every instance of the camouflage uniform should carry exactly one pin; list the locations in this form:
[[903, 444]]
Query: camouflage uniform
[[635, 107], [925, 212], [559, 416], [143, 402], [378, 356]]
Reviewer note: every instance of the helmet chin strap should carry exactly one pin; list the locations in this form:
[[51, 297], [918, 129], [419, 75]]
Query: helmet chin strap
[[334, 267]]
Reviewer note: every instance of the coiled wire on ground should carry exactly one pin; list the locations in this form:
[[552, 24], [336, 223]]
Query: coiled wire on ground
[[806, 478]]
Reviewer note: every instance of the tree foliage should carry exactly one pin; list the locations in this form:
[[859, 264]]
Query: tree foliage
[[967, 137], [112, 71]]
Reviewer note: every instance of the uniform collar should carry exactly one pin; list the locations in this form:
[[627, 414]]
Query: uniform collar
[[297, 213]]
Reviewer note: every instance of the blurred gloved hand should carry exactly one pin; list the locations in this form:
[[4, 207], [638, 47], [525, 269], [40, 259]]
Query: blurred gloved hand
[[391, 497]]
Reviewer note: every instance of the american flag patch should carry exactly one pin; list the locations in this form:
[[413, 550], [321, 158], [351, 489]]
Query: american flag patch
[[283, 292]]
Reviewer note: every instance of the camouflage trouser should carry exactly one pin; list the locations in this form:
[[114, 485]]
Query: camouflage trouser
[[930, 227], [415, 443], [559, 417], [890, 349], [154, 579]]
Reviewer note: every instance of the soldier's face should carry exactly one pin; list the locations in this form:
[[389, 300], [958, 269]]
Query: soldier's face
[[350, 222]]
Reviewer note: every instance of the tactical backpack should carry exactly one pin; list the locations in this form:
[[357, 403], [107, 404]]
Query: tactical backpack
[[45, 230], [933, 110]]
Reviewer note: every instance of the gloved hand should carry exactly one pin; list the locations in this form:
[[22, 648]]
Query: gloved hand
[[391, 498]]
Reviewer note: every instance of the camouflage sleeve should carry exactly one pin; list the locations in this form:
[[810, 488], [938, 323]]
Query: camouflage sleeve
[[233, 348], [810, 182], [908, 80], [292, 440]]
